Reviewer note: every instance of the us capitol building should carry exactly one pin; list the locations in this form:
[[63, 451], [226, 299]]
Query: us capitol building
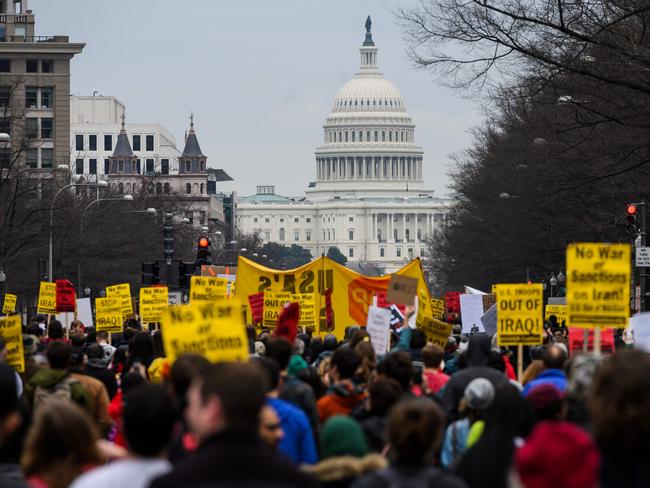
[[369, 197]]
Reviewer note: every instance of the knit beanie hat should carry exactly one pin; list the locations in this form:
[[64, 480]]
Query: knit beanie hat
[[479, 394], [296, 365], [342, 436], [544, 395], [558, 454]]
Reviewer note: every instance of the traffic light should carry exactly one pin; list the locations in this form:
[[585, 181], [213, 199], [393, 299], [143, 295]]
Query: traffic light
[[150, 273], [168, 239], [185, 272], [632, 220], [203, 252]]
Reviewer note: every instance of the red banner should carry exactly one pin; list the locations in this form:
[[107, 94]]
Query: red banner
[[452, 302], [66, 298]]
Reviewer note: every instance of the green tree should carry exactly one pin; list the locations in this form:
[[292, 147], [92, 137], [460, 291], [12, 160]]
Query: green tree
[[335, 254]]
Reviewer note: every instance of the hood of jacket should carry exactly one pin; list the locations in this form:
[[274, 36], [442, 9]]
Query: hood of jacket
[[47, 378], [342, 467], [478, 350], [347, 394]]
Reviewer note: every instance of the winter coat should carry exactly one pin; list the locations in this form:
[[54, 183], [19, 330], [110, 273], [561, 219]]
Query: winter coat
[[49, 378], [339, 400], [410, 475], [342, 471], [98, 401], [97, 369]]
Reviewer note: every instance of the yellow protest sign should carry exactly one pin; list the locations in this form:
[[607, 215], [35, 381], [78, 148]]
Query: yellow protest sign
[[558, 310], [352, 293], [437, 308], [598, 285], [215, 330], [519, 314], [11, 331], [9, 304], [123, 291], [436, 331], [207, 289], [108, 314], [47, 298], [273, 303], [153, 302]]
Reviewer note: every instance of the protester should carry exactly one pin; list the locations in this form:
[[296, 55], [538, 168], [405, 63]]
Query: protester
[[116, 407], [56, 382], [548, 402], [433, 359], [383, 394], [60, 446], [478, 355], [148, 423], [223, 412], [158, 370], [109, 350], [96, 367], [270, 429], [619, 403], [414, 431], [345, 454], [553, 358], [343, 395], [55, 332], [581, 370], [298, 442], [10, 421]]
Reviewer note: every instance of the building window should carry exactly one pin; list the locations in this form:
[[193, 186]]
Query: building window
[[136, 143], [164, 166], [31, 66], [120, 188], [202, 189], [395, 235], [382, 252], [31, 127], [5, 66], [47, 158], [308, 235], [267, 219], [188, 166], [398, 252], [47, 97], [92, 142], [407, 233], [255, 219], [296, 219], [31, 158], [159, 188], [350, 235], [350, 219], [383, 136], [410, 252], [351, 252], [127, 166], [308, 219], [188, 188], [47, 66], [151, 188], [281, 220], [296, 235], [79, 142], [202, 165], [148, 166], [190, 216], [107, 166], [149, 143], [419, 234], [92, 169], [422, 252], [281, 234], [267, 236], [46, 128], [120, 166], [166, 188], [79, 166], [108, 142], [31, 97]]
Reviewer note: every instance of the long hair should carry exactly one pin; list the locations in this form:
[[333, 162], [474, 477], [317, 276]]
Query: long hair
[[486, 463], [60, 444]]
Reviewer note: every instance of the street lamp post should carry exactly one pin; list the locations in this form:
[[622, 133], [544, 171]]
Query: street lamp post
[[553, 282], [3, 278], [98, 185]]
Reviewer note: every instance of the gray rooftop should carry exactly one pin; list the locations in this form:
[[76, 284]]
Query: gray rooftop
[[123, 147], [192, 148]]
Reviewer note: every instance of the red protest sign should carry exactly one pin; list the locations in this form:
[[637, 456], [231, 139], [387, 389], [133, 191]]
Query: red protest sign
[[452, 302], [66, 298], [256, 301]]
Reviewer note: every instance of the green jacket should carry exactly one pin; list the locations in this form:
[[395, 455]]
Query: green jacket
[[48, 378]]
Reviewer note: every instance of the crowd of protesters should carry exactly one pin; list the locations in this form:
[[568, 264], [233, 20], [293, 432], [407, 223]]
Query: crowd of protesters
[[97, 411]]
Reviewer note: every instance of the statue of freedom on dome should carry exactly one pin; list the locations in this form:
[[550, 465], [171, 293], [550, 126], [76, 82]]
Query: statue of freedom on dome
[[368, 24]]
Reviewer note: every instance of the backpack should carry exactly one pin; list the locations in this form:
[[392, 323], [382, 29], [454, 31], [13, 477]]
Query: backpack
[[60, 391], [421, 479]]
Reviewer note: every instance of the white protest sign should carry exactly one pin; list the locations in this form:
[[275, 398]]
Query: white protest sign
[[471, 311], [489, 320], [642, 257], [378, 328], [84, 312], [640, 327]]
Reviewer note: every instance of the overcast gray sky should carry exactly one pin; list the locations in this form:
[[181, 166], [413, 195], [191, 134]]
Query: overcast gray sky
[[260, 76]]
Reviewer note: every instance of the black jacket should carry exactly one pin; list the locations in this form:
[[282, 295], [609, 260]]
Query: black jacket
[[234, 459], [405, 475], [97, 370], [478, 354]]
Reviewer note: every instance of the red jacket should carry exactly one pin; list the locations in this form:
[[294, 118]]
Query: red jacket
[[340, 400]]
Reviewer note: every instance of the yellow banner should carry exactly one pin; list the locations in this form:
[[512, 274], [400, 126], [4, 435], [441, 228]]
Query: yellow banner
[[154, 300], [11, 331], [273, 303], [519, 314], [9, 304], [123, 291], [558, 310], [598, 285], [108, 314], [437, 331], [215, 330], [47, 298], [207, 289], [437, 308], [352, 293]]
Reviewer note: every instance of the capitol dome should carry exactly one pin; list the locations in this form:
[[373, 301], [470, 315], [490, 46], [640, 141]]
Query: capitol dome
[[369, 138]]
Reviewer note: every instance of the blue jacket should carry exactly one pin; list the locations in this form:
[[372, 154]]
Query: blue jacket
[[298, 442], [555, 377]]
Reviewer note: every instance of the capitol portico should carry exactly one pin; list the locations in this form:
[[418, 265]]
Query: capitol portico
[[369, 197]]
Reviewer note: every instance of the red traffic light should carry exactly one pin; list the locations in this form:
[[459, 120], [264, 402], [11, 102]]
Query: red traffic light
[[204, 242], [631, 209]]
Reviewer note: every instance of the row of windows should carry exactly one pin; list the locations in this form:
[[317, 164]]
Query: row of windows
[[36, 97], [369, 168], [396, 236], [387, 102], [79, 140], [80, 165], [160, 188], [39, 128], [282, 235], [31, 65], [46, 157], [295, 219], [370, 136]]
